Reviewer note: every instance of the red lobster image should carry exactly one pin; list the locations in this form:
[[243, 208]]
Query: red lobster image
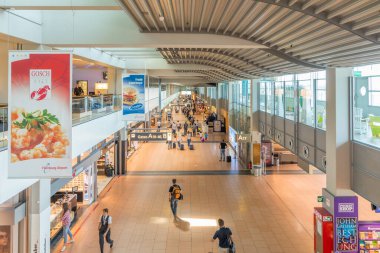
[[40, 94]]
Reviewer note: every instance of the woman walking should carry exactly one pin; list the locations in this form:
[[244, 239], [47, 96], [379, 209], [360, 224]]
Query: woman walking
[[66, 221]]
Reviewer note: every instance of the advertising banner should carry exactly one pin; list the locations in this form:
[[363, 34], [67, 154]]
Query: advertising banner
[[346, 224], [39, 112], [134, 98]]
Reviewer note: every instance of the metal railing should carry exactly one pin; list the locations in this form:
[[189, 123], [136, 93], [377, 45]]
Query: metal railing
[[84, 109]]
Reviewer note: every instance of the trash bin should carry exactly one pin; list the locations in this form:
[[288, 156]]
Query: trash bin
[[257, 171]]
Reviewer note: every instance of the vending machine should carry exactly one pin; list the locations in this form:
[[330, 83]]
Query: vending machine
[[323, 231]]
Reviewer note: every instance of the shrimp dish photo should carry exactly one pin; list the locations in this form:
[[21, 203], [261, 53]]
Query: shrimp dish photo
[[36, 135]]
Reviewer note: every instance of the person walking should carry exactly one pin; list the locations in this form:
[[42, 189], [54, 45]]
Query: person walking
[[222, 148], [105, 229], [158, 125], [178, 126], [179, 141], [174, 127], [174, 196], [170, 140], [188, 139], [185, 127], [224, 235], [66, 222], [194, 130]]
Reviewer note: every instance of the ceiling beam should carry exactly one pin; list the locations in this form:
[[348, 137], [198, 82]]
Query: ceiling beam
[[321, 16], [213, 51]]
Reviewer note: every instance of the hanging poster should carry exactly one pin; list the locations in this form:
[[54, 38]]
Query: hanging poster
[[40, 114], [134, 98]]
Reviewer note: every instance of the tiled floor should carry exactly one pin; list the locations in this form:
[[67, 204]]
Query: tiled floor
[[259, 216]]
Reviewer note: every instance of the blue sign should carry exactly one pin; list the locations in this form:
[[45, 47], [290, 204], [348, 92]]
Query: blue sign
[[134, 97]]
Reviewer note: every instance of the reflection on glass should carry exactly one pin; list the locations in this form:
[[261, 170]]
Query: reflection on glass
[[306, 103], [279, 99], [321, 103], [289, 100]]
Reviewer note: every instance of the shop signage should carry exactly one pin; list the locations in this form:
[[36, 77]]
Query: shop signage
[[243, 138], [357, 73], [40, 114], [346, 224], [134, 98], [153, 136]]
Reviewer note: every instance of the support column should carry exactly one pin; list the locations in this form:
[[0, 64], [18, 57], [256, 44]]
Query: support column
[[39, 217], [338, 153], [124, 150], [254, 124]]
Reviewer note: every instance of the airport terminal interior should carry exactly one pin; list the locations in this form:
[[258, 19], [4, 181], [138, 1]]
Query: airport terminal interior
[[190, 126]]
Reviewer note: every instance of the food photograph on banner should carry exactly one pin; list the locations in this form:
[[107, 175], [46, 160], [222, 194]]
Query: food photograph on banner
[[134, 98], [40, 112]]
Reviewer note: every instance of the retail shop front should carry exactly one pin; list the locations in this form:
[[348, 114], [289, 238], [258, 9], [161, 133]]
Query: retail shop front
[[93, 171]]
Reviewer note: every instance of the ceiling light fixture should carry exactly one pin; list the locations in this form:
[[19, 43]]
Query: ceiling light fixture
[[161, 18]]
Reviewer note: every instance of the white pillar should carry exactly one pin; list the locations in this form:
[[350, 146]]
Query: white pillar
[[338, 132], [39, 217]]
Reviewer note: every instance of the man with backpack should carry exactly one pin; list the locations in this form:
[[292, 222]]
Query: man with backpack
[[222, 148], [224, 234], [174, 195], [105, 229]]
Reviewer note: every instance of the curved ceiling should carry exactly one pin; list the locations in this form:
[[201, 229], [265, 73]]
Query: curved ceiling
[[299, 35]]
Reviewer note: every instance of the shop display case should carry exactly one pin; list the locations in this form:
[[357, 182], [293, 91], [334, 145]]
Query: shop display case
[[369, 237], [56, 212]]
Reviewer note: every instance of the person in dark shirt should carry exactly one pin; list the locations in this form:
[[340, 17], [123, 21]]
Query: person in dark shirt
[[78, 91], [222, 148], [224, 235], [173, 198]]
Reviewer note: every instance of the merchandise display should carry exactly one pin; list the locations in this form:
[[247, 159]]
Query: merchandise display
[[369, 237], [56, 212]]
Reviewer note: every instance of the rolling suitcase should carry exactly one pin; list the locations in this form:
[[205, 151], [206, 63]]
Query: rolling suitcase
[[191, 147], [174, 145], [228, 158], [182, 147]]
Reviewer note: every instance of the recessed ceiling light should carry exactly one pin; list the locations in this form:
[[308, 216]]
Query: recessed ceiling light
[[161, 18]]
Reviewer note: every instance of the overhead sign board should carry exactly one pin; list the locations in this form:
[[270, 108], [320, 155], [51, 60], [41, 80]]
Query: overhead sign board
[[151, 136], [243, 138]]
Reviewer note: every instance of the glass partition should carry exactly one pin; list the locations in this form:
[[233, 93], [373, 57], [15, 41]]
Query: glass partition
[[320, 89], [289, 100], [3, 127], [306, 102], [279, 99]]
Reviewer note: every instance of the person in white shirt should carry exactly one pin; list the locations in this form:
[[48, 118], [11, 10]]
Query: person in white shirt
[[105, 229], [158, 126]]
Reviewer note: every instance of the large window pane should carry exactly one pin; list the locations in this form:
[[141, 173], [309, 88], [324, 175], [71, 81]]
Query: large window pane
[[279, 99], [269, 97], [306, 102], [289, 100], [321, 103], [366, 110], [262, 96]]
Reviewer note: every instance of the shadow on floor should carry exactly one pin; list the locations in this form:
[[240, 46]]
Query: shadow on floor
[[182, 224]]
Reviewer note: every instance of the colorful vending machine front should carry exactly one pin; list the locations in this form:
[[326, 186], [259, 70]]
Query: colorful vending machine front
[[323, 231], [369, 237]]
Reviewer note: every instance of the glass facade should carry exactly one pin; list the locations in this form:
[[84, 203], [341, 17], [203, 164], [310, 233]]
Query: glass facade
[[285, 94], [239, 105], [366, 105]]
